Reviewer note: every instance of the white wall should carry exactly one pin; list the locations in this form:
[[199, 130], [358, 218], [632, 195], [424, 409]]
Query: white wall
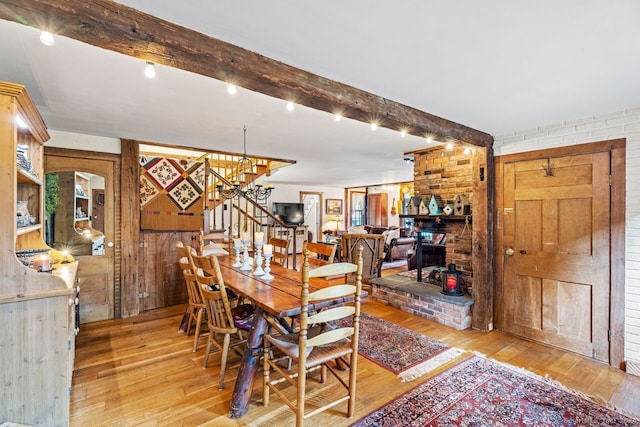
[[291, 193], [77, 141], [619, 124]]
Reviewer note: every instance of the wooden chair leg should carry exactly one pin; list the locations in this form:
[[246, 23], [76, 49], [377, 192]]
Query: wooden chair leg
[[266, 373], [352, 385], [198, 326], [190, 320], [208, 352], [223, 359], [302, 384]]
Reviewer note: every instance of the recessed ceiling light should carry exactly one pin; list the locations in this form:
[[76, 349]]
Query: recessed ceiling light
[[231, 89], [403, 133], [289, 106], [429, 140], [337, 117], [449, 146], [467, 150], [46, 38], [374, 126], [150, 70]]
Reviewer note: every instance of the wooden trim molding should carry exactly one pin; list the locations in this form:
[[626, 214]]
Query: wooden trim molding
[[27, 109], [113, 26], [130, 229], [482, 239]]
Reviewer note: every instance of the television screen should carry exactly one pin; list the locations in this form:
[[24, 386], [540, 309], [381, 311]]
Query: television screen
[[289, 213]]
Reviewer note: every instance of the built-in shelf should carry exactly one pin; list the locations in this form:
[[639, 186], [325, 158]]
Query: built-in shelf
[[28, 229], [24, 177]]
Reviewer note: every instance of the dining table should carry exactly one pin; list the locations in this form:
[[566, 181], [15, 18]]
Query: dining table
[[275, 301]]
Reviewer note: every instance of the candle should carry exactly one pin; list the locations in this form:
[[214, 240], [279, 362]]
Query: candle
[[259, 237], [451, 282], [268, 249], [237, 243], [42, 263], [246, 237]]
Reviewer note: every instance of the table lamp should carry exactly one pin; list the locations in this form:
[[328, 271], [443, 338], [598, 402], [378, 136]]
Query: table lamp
[[338, 219]]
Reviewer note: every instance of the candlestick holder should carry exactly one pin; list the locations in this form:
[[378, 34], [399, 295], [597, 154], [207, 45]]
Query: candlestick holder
[[246, 265], [267, 266], [238, 262], [257, 261]]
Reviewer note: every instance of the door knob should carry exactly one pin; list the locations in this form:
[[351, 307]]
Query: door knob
[[509, 251]]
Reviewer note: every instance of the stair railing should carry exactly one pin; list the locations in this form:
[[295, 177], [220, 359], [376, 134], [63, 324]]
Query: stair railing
[[245, 217]]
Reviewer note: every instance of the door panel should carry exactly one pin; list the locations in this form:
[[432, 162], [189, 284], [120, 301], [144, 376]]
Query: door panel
[[161, 281], [96, 273], [556, 283]]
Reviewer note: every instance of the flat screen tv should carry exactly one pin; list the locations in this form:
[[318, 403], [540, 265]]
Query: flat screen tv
[[289, 213]]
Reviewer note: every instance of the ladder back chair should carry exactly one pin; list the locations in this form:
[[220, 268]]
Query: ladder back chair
[[195, 308], [223, 320], [325, 252], [316, 343], [281, 250]]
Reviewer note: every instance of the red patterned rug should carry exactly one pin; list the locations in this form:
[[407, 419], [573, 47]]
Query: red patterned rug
[[481, 392], [400, 350]]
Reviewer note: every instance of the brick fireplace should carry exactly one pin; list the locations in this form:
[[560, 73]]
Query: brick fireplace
[[446, 173]]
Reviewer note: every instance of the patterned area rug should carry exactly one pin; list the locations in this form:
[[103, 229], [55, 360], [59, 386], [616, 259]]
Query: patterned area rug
[[482, 392], [410, 273], [401, 350]]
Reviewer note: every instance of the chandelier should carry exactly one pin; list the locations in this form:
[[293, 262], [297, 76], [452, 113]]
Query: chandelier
[[242, 180]]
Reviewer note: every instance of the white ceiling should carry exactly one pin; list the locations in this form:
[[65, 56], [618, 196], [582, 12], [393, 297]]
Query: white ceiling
[[496, 66]]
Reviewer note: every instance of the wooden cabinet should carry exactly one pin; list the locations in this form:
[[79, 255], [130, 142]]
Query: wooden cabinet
[[37, 310]]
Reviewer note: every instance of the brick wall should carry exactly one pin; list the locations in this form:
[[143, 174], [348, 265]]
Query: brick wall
[[448, 173], [618, 124], [453, 315], [443, 172]]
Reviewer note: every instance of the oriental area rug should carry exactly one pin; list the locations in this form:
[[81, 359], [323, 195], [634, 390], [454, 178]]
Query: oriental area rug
[[481, 392], [400, 350]]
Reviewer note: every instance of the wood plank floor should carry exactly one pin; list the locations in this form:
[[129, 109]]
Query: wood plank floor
[[142, 372]]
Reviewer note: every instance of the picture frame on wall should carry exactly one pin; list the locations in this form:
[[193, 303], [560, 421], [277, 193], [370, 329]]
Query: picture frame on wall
[[333, 207]]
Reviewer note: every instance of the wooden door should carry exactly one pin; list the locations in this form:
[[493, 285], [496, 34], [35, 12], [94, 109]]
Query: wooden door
[[96, 273], [377, 209], [556, 268]]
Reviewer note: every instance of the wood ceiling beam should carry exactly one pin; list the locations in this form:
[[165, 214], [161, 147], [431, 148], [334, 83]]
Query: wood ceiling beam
[[116, 27]]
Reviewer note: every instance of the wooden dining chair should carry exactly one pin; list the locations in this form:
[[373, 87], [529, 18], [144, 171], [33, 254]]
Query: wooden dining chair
[[223, 320], [195, 309], [324, 252], [316, 343], [280, 250]]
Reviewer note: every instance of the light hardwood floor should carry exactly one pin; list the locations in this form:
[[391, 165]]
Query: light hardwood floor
[[141, 371]]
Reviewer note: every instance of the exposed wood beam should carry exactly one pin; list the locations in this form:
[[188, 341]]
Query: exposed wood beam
[[125, 30]]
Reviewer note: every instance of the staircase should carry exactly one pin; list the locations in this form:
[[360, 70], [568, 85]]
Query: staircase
[[230, 203]]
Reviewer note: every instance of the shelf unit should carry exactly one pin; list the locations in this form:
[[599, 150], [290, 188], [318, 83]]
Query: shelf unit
[[37, 310], [81, 202]]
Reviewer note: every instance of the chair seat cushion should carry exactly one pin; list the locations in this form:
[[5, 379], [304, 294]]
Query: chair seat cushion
[[243, 316]]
